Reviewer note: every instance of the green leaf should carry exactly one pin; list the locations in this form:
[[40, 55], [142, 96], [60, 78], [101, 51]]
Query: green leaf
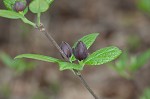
[[88, 40], [38, 6], [146, 94], [63, 65], [103, 55], [39, 57], [140, 61], [144, 5], [70, 66], [10, 14], [9, 4], [20, 65], [6, 59]]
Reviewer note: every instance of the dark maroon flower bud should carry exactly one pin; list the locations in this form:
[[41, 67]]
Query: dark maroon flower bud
[[65, 47], [20, 5], [80, 51]]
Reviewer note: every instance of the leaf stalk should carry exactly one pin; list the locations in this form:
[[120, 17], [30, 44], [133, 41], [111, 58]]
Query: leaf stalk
[[38, 19]]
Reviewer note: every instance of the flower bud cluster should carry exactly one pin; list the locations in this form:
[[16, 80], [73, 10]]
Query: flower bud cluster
[[80, 51]]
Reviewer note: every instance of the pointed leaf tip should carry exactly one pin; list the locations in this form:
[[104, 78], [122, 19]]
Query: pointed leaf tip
[[39, 57]]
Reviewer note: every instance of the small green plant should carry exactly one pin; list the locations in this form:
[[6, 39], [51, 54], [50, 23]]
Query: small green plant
[[127, 65], [146, 94], [19, 65], [98, 57], [144, 5], [17, 9]]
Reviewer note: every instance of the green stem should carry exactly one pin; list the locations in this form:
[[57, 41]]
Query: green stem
[[25, 20], [38, 19]]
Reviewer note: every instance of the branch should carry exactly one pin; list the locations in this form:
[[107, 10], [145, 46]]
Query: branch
[[42, 29], [85, 84]]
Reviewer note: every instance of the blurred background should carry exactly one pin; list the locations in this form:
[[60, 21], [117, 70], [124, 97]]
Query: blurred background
[[122, 23]]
